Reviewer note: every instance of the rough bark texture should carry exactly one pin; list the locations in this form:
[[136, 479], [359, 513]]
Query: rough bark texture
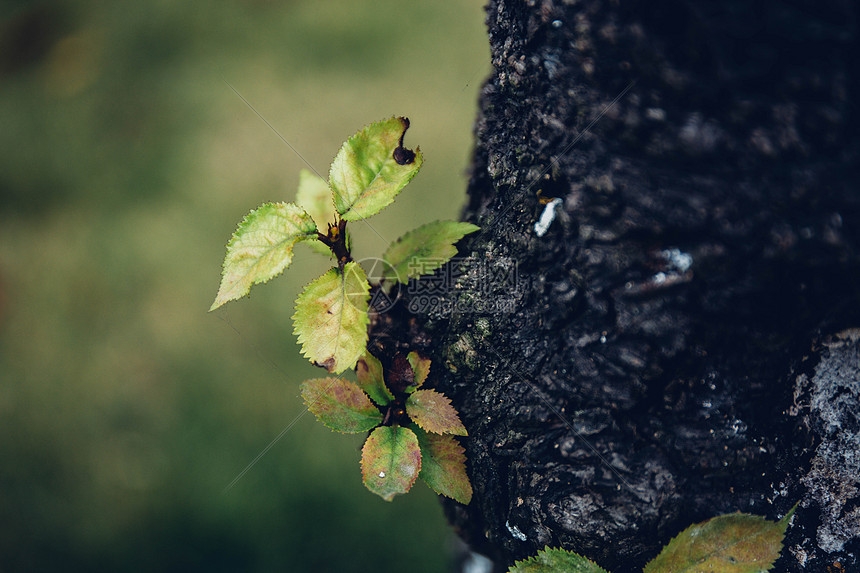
[[672, 353]]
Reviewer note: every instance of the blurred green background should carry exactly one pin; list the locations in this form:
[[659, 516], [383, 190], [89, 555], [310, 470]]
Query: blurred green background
[[126, 162]]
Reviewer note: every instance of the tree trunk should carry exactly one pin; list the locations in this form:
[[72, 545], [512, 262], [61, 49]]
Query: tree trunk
[[674, 344]]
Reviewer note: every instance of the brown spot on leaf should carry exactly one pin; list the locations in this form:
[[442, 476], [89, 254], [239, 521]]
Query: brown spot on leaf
[[361, 368], [402, 155]]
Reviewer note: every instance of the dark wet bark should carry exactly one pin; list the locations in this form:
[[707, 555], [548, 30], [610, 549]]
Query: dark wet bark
[[670, 351]]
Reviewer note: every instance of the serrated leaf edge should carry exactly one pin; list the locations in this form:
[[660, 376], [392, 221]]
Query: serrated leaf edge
[[418, 161], [426, 456], [783, 523], [364, 471], [310, 406], [364, 318], [220, 298], [457, 431], [438, 262], [548, 551]]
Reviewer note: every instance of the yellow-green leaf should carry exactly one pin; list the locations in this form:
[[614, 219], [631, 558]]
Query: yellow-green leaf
[[314, 196], [331, 318], [423, 250], [556, 560], [340, 405], [262, 247], [390, 461], [734, 543], [371, 168], [420, 370], [443, 466], [370, 379], [433, 412]]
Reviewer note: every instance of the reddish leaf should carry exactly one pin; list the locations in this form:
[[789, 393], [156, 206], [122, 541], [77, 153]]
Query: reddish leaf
[[368, 370], [443, 466], [340, 405], [390, 461], [434, 413]]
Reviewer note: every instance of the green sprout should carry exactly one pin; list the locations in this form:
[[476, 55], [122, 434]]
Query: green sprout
[[412, 428]]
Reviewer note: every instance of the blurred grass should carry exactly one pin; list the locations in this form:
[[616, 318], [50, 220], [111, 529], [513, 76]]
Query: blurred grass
[[125, 163]]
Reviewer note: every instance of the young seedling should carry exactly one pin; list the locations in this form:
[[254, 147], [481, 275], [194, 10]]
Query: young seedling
[[734, 543], [412, 429]]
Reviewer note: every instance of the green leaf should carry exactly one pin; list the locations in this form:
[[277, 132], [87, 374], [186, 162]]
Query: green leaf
[[390, 461], [420, 370], [331, 318], [371, 168], [555, 560], [368, 370], [734, 543], [340, 405], [262, 247], [314, 196], [434, 413], [424, 250], [443, 466]]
